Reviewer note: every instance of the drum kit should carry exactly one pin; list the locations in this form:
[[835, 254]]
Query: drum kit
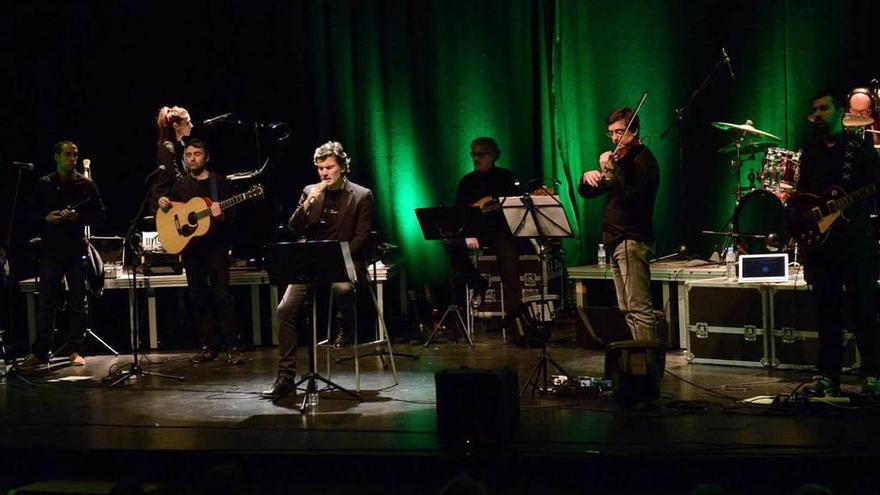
[[758, 221], [758, 224]]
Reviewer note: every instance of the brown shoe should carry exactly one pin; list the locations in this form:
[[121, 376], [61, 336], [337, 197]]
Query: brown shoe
[[32, 362], [77, 360]]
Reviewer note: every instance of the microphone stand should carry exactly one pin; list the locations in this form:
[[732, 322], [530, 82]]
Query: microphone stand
[[12, 370], [678, 121], [132, 241]]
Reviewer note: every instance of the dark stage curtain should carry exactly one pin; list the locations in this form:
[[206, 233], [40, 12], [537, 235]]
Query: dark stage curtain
[[407, 84]]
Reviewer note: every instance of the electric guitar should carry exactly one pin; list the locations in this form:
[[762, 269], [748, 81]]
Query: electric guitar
[[185, 221], [810, 217]]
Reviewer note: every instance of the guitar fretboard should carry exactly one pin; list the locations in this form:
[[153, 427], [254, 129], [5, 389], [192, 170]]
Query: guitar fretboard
[[234, 200], [855, 196]]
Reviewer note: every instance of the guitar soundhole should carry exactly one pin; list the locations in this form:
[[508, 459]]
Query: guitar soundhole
[[191, 218]]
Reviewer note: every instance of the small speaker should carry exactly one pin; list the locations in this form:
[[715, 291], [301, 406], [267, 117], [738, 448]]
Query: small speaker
[[635, 368], [477, 406]]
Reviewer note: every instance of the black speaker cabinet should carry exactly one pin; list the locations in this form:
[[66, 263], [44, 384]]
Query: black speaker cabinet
[[477, 406]]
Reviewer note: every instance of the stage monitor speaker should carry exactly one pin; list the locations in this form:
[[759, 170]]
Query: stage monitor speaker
[[477, 406], [635, 368], [597, 326]]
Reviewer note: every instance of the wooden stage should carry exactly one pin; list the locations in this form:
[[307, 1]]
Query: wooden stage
[[172, 433]]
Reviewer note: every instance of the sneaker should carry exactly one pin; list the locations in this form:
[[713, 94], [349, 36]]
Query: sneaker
[[871, 385], [235, 356], [32, 362], [203, 355], [77, 360], [822, 386]]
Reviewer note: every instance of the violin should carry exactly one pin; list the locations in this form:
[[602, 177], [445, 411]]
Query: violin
[[609, 160]]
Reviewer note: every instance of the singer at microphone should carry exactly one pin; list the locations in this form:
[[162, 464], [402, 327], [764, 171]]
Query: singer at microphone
[[344, 214]]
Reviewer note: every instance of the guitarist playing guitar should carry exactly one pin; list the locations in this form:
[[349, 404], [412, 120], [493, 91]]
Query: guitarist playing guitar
[[832, 161], [481, 188], [206, 258]]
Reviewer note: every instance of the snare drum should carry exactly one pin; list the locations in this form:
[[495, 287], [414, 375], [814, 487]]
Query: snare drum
[[781, 169]]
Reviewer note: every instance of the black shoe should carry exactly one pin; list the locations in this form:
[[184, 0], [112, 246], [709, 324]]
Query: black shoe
[[478, 296], [235, 356], [281, 387], [203, 356]]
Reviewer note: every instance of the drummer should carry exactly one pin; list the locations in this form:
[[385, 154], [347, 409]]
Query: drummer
[[863, 102]]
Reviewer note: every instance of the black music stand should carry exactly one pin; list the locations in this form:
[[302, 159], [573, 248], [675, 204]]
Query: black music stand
[[540, 218], [314, 262], [445, 223]]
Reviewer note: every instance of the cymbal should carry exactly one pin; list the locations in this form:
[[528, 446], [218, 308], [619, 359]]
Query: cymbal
[[747, 147], [744, 128], [856, 120]]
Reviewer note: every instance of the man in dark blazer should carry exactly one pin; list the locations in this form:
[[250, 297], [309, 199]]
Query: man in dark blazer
[[333, 209]]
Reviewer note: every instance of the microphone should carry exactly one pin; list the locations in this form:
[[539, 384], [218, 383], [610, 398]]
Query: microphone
[[27, 166], [214, 120], [321, 186], [727, 61], [151, 174]]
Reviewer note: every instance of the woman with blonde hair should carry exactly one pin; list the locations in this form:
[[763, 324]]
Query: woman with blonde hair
[[175, 126]]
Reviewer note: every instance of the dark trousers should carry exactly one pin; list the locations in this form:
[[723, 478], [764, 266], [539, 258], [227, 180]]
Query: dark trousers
[[289, 309], [506, 249], [829, 270], [52, 272], [207, 280]]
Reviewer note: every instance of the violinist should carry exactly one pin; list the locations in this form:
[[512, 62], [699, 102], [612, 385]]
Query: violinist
[[629, 175]]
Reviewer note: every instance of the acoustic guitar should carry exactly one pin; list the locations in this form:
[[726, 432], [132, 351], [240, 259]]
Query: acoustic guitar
[[184, 222]]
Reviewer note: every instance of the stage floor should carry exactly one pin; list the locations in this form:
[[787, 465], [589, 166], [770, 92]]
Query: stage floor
[[165, 430]]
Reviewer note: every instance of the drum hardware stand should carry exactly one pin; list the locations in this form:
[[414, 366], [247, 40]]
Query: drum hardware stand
[[132, 240]]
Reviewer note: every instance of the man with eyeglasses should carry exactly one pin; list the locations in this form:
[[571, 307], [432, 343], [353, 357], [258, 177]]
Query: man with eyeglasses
[[481, 188], [630, 177]]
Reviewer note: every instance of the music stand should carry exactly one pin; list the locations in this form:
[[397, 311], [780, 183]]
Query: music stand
[[540, 218], [314, 262], [443, 223]]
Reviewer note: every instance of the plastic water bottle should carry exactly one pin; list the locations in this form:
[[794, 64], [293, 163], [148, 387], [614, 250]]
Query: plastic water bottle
[[601, 255], [730, 261]]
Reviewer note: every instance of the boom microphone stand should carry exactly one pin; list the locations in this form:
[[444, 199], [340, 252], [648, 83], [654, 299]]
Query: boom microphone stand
[[132, 241], [12, 370], [678, 121]]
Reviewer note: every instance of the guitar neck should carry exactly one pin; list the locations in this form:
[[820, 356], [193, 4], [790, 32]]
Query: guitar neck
[[855, 196], [226, 203]]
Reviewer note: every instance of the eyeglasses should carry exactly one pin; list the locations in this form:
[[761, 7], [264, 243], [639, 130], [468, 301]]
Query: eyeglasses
[[475, 154], [615, 132]]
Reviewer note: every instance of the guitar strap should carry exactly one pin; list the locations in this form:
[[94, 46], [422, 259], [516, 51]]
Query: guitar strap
[[213, 184], [849, 153]]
